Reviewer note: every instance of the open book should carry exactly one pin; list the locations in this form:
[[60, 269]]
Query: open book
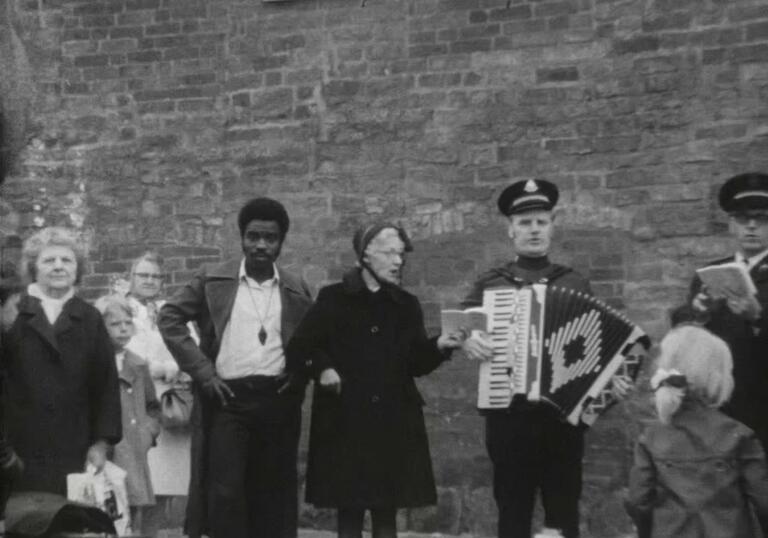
[[732, 276], [471, 319]]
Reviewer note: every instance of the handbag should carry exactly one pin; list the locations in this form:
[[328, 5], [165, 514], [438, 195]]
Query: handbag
[[176, 407]]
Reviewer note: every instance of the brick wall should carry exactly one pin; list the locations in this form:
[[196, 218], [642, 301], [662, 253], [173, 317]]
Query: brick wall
[[156, 119]]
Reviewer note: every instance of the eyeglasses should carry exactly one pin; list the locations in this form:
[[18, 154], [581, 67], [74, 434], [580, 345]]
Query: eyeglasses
[[390, 253], [744, 218], [147, 276]]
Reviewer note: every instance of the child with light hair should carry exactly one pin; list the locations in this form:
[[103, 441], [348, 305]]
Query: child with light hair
[[697, 472], [140, 408]]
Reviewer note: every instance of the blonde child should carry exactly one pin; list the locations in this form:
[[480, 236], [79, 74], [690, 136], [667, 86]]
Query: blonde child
[[140, 407], [697, 472]]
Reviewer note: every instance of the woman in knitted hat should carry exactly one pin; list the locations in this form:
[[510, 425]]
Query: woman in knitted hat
[[364, 342]]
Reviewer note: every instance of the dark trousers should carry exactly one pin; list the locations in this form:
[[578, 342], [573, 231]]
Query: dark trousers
[[383, 522], [533, 450], [252, 478]]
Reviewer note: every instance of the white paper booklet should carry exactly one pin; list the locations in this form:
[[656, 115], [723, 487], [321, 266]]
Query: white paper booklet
[[732, 277], [471, 319]]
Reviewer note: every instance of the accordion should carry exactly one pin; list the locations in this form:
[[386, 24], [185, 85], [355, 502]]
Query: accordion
[[557, 346]]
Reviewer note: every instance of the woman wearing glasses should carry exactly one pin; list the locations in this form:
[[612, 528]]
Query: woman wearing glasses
[[169, 461]]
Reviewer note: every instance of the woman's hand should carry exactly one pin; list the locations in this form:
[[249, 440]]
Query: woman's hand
[[451, 340], [478, 347], [330, 380]]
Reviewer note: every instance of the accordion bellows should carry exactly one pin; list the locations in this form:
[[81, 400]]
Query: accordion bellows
[[558, 346]]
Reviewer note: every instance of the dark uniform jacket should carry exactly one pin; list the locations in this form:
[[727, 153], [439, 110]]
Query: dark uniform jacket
[[368, 446], [698, 477], [208, 300], [749, 346], [61, 391]]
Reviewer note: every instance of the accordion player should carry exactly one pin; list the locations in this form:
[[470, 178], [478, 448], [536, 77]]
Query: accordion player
[[564, 356]]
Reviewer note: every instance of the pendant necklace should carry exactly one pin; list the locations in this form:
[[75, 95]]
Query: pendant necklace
[[262, 319]]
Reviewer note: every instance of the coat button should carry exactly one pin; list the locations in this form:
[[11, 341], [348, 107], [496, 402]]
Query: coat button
[[375, 399], [374, 329], [129, 391], [133, 421]]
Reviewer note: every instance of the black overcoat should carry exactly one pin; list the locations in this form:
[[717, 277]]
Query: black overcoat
[[749, 346], [368, 446], [62, 391]]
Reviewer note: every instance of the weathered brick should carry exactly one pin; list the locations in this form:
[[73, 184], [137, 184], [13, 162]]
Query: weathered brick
[[475, 45], [439, 80], [262, 63], [553, 9], [92, 60], [557, 74], [757, 32], [668, 21], [478, 16], [90, 21], [513, 12], [288, 43], [643, 43], [119, 32], [144, 56], [427, 50], [162, 29]]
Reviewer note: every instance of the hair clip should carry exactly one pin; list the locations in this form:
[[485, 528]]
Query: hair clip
[[668, 378]]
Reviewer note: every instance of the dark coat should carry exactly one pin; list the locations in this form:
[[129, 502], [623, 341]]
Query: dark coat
[[748, 342], [698, 477], [61, 391], [208, 300], [141, 426], [368, 446]]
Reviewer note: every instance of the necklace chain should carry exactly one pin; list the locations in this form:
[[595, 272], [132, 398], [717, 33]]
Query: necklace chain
[[262, 319]]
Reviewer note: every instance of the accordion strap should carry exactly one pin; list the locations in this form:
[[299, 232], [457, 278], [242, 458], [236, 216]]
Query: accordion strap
[[555, 271]]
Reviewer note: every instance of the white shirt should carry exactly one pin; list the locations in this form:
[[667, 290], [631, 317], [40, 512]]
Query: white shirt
[[51, 306], [241, 353], [752, 261], [119, 360]]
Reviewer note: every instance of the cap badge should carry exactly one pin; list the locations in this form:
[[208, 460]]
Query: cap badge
[[530, 186]]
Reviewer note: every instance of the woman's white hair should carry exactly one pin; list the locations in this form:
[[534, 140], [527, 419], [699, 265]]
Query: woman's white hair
[[47, 237], [705, 361]]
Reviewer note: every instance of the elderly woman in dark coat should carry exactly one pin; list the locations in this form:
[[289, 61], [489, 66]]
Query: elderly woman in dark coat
[[365, 341], [61, 394]]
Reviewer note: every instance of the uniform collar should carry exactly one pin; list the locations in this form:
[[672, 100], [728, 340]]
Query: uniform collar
[[752, 261], [532, 263]]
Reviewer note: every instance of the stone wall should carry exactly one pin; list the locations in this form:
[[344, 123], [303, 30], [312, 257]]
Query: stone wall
[[156, 119]]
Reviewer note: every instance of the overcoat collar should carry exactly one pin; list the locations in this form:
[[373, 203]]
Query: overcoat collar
[[221, 290], [353, 283], [30, 308]]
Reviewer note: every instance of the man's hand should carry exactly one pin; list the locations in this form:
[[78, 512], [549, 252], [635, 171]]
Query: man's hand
[[621, 388], [451, 341], [478, 347], [746, 307], [702, 302], [330, 380], [217, 388], [97, 454]]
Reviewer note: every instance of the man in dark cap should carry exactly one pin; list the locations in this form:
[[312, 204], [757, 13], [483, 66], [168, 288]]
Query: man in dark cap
[[247, 408], [364, 341], [743, 321], [531, 447]]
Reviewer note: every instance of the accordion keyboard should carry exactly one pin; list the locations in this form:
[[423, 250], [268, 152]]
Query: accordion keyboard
[[495, 385]]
